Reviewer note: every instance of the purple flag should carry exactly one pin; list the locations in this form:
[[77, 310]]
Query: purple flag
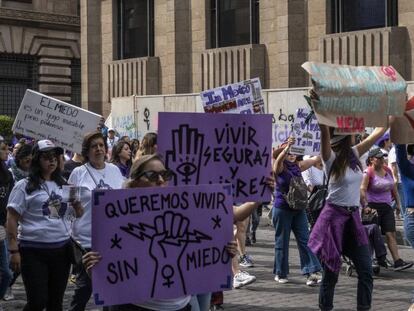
[[158, 243], [204, 148]]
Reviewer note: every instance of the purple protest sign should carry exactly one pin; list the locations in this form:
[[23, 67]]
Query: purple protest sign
[[203, 148], [158, 243]]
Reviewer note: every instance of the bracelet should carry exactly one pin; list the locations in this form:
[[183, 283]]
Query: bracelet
[[13, 251]]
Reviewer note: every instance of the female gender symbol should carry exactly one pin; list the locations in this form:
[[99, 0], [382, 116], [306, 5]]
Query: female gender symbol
[[389, 71]]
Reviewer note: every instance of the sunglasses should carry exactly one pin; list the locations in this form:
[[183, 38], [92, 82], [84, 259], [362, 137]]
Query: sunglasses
[[154, 176]]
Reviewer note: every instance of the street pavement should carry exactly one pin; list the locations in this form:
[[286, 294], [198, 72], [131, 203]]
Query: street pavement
[[392, 290]]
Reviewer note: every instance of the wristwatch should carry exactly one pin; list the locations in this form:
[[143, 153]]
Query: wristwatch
[[13, 251]]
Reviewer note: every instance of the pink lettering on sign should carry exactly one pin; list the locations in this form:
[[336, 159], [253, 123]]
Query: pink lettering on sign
[[409, 111], [350, 124], [389, 71]]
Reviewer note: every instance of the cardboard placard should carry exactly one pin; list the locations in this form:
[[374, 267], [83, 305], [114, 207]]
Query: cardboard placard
[[45, 117], [159, 242], [241, 97], [308, 135], [203, 148], [351, 98]]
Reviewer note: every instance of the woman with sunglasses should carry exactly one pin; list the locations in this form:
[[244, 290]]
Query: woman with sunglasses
[[287, 219], [41, 249], [149, 171], [377, 192], [94, 174], [121, 157]]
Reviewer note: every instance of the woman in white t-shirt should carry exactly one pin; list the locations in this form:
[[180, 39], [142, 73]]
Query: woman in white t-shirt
[[338, 229], [149, 171], [41, 250], [94, 174]]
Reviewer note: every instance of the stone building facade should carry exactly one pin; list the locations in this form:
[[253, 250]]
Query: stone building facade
[[146, 47], [39, 49]]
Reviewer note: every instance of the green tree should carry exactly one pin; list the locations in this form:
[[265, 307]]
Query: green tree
[[6, 124]]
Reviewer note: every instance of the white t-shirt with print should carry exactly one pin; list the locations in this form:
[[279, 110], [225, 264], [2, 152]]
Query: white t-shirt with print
[[44, 218], [107, 178], [344, 192]]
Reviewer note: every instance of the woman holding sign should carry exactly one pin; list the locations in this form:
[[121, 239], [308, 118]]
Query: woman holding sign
[[41, 249], [289, 216], [94, 174], [149, 171], [338, 229]]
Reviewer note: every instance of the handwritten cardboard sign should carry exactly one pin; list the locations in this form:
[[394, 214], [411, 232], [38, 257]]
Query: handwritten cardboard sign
[[308, 135], [240, 97], [351, 98], [45, 117], [402, 130], [203, 148], [158, 243]]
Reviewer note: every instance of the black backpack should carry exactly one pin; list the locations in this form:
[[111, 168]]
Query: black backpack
[[297, 195]]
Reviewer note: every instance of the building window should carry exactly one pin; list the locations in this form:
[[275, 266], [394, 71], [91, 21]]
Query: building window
[[75, 98], [352, 15], [17, 73], [234, 22], [135, 28]]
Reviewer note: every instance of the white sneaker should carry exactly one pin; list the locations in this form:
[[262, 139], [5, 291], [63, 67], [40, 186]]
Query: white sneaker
[[8, 295], [281, 280], [312, 280], [242, 278]]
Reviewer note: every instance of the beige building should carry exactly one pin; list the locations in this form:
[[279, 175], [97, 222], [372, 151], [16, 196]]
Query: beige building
[[146, 47], [39, 49]]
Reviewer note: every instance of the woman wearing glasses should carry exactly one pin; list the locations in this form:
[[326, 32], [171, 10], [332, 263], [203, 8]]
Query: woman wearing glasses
[[41, 249], [149, 171], [94, 174]]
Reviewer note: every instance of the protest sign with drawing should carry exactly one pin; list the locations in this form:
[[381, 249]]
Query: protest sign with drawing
[[44, 117], [307, 134], [203, 148], [402, 129], [351, 98], [158, 243], [240, 97]]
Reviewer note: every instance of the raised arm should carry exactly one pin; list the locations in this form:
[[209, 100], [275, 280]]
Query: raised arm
[[305, 164], [278, 162], [325, 142], [367, 143]]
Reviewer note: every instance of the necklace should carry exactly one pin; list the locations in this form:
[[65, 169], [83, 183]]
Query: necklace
[[101, 172]]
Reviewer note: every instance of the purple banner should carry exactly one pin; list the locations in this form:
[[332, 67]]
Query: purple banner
[[158, 243], [204, 148]]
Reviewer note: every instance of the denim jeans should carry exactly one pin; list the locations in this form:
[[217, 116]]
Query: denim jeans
[[285, 221], [409, 228], [5, 274], [45, 274], [361, 258], [376, 242], [402, 199], [83, 290], [200, 302]]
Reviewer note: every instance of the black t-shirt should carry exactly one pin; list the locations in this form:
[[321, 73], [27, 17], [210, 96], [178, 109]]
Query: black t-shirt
[[70, 165], [5, 189]]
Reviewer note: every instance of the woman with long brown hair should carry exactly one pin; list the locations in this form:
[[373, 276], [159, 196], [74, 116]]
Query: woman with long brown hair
[[338, 229]]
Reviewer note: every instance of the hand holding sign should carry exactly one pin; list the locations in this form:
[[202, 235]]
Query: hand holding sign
[[170, 236]]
